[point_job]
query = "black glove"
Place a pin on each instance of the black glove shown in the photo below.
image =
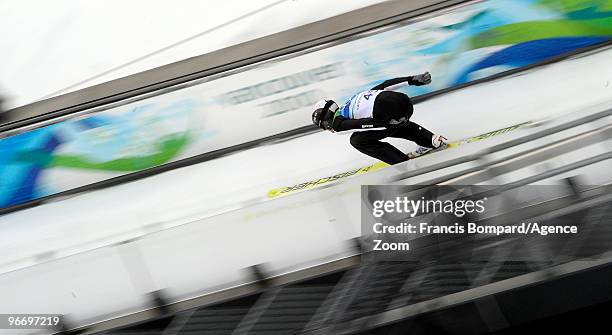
(421, 79)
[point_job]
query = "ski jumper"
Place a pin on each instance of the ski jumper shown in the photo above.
(379, 113)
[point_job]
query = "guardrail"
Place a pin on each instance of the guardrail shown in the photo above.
(499, 147)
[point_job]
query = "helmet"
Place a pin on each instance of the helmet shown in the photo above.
(324, 113)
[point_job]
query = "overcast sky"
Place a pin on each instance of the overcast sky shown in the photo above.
(50, 45)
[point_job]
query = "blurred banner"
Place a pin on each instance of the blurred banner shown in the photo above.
(465, 44)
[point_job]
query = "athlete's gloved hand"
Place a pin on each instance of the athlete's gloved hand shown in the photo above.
(421, 79)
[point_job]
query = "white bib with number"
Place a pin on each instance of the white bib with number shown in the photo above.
(360, 106)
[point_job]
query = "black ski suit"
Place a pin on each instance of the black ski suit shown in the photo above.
(390, 117)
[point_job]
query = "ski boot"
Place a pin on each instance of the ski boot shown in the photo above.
(438, 142)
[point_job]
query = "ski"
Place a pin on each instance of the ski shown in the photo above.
(282, 191)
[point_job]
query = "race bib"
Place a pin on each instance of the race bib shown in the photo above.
(360, 106)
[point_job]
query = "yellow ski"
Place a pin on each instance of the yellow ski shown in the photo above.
(282, 191)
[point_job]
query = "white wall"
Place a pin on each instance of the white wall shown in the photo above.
(52, 45)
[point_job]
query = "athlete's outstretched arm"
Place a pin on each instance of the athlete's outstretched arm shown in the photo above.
(395, 82)
(391, 84)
